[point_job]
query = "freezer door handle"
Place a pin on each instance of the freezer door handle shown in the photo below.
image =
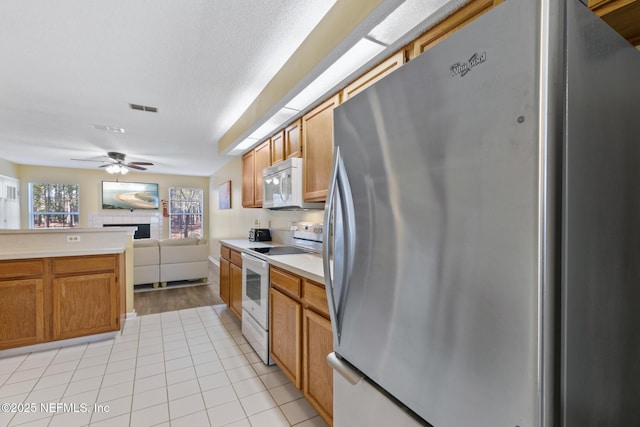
(341, 367)
(339, 243)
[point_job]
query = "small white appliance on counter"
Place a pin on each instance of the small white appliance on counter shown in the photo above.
(255, 284)
(282, 186)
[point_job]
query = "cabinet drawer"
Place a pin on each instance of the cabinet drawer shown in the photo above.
(315, 297)
(16, 269)
(84, 264)
(236, 258)
(225, 252)
(285, 282)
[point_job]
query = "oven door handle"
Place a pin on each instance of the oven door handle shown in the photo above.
(255, 261)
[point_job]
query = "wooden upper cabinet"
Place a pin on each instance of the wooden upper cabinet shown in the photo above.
(262, 154)
(248, 181)
(317, 149)
(293, 140)
(277, 147)
(252, 164)
(454, 22)
(622, 15)
(373, 75)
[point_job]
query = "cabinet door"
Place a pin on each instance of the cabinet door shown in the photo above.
(317, 149)
(262, 160)
(318, 375)
(277, 148)
(285, 334)
(376, 73)
(224, 280)
(85, 305)
(454, 22)
(621, 15)
(236, 290)
(248, 180)
(293, 139)
(21, 313)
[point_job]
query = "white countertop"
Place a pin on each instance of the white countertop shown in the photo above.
(306, 265)
(46, 243)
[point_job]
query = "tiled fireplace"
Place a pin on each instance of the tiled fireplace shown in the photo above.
(154, 219)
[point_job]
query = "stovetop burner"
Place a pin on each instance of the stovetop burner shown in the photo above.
(279, 250)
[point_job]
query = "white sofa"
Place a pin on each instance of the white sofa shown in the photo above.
(169, 260)
(146, 262)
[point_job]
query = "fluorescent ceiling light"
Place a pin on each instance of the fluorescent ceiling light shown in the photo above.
(347, 64)
(238, 149)
(407, 16)
(278, 119)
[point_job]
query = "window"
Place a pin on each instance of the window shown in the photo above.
(185, 212)
(53, 205)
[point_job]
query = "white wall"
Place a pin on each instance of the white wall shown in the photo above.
(234, 223)
(8, 169)
(90, 182)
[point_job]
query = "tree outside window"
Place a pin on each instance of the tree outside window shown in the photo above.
(53, 205)
(185, 212)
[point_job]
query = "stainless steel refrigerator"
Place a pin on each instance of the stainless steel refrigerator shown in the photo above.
(483, 226)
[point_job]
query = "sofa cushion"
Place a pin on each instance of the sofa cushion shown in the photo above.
(186, 241)
(145, 243)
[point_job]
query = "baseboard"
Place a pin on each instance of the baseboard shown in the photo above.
(132, 315)
(58, 344)
(215, 261)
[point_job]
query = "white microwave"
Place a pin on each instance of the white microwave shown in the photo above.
(282, 186)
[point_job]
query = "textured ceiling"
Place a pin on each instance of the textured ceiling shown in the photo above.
(68, 65)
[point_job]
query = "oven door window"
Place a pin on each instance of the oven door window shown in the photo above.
(254, 288)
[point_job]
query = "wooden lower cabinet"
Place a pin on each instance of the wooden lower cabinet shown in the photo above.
(21, 312)
(235, 292)
(318, 375)
(225, 280)
(300, 337)
(84, 305)
(285, 323)
(48, 299)
(231, 279)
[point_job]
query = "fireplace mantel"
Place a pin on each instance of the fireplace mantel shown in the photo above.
(99, 219)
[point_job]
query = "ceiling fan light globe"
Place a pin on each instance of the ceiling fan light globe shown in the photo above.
(124, 170)
(111, 169)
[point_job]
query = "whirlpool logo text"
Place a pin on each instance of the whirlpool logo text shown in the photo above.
(462, 68)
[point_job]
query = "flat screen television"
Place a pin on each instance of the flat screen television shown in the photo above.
(129, 195)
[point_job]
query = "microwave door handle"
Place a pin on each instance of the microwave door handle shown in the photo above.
(284, 197)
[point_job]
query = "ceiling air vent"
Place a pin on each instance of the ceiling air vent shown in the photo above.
(143, 108)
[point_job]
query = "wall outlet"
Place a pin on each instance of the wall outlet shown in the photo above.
(73, 239)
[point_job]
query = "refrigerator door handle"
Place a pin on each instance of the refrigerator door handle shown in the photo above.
(339, 228)
(348, 373)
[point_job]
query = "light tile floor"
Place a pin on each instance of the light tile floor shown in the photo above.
(181, 368)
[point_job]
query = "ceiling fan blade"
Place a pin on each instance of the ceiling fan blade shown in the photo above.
(132, 166)
(105, 165)
(89, 160)
(140, 163)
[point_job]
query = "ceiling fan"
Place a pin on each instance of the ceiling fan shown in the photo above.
(114, 162)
